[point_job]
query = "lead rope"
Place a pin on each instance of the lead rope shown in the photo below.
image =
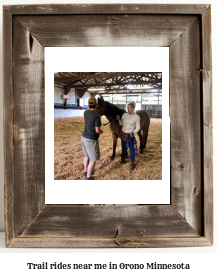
(108, 122)
(134, 143)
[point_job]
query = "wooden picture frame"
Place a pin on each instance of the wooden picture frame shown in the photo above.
(186, 30)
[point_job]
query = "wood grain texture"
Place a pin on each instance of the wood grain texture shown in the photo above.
(29, 131)
(207, 122)
(184, 28)
(185, 111)
(109, 222)
(69, 242)
(207, 66)
(208, 182)
(106, 9)
(107, 30)
(8, 125)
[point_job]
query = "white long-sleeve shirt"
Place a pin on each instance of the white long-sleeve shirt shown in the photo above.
(130, 123)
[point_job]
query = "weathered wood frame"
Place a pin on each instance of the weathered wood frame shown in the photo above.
(186, 29)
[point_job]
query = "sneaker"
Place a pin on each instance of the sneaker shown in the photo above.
(85, 175)
(90, 178)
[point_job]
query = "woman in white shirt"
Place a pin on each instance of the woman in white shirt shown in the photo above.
(130, 125)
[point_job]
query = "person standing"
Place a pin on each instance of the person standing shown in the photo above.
(89, 139)
(130, 125)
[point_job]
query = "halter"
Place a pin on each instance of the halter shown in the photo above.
(114, 117)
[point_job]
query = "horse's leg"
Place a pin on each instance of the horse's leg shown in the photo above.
(144, 138)
(140, 140)
(114, 137)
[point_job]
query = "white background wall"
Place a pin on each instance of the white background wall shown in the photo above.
(66, 113)
(207, 259)
(58, 95)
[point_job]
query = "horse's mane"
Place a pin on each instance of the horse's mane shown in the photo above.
(113, 110)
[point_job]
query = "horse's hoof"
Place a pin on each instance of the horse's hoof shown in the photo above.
(112, 157)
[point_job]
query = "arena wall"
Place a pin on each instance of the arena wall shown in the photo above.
(58, 96)
(67, 113)
(72, 105)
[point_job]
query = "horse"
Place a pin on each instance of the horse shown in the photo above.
(111, 111)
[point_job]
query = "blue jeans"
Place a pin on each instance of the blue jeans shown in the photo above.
(131, 147)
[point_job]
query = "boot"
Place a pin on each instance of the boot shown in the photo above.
(132, 166)
(123, 159)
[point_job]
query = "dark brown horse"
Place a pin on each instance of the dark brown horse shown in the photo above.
(111, 111)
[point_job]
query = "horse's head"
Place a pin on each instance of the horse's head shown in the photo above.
(101, 106)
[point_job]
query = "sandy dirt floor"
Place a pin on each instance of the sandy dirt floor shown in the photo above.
(68, 155)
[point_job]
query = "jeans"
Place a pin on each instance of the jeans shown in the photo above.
(131, 147)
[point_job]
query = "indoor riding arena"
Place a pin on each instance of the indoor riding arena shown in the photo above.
(71, 93)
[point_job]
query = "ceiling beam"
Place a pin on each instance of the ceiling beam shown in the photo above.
(117, 84)
(129, 93)
(59, 86)
(128, 90)
(103, 75)
(67, 89)
(80, 93)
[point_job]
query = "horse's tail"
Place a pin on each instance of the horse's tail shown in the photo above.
(146, 129)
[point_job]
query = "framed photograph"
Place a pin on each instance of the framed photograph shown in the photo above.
(139, 81)
(187, 218)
